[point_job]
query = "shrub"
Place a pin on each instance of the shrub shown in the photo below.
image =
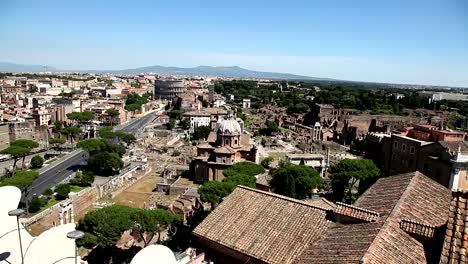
(62, 191)
(37, 162)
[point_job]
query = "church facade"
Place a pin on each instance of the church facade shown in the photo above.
(225, 146)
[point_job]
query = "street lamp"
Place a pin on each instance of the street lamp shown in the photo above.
(18, 213)
(75, 235)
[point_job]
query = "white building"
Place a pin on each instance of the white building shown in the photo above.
(218, 102)
(246, 103)
(316, 161)
(198, 118)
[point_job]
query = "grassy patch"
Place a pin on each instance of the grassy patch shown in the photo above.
(52, 201)
(75, 188)
(50, 161)
(277, 155)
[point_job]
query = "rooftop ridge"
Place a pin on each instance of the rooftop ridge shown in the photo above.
(394, 209)
(417, 227)
(358, 208)
(406, 220)
(283, 197)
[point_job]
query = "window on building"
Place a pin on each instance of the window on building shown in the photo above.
(411, 150)
(393, 156)
(224, 160)
(235, 141)
(403, 147)
(395, 145)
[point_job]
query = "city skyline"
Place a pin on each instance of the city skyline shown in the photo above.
(416, 43)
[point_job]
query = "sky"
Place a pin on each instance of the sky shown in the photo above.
(407, 41)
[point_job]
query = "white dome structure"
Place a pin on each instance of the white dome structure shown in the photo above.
(229, 126)
(157, 254)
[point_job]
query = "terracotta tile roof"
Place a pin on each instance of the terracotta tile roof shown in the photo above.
(323, 203)
(453, 147)
(417, 228)
(356, 212)
(456, 237)
(411, 196)
(211, 137)
(224, 150)
(205, 146)
(264, 226)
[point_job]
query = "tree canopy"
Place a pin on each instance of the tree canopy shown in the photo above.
(135, 101)
(20, 149)
(105, 226)
(184, 124)
(81, 116)
(242, 173)
(22, 179)
(201, 132)
(57, 141)
(105, 163)
(62, 191)
(245, 168)
(347, 173)
(295, 181)
(37, 162)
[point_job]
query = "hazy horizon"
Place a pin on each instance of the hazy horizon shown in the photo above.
(420, 42)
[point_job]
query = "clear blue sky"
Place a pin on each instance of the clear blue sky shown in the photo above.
(407, 41)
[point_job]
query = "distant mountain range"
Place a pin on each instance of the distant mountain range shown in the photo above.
(222, 71)
(13, 67)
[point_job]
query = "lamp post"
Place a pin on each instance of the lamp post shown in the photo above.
(75, 235)
(18, 213)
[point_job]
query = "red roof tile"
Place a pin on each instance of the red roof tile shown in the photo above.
(407, 196)
(262, 225)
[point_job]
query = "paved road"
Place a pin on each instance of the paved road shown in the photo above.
(57, 172)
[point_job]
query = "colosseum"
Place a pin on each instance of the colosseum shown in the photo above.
(169, 89)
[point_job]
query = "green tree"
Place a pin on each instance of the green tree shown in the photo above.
(185, 124)
(105, 163)
(20, 149)
(201, 132)
(56, 142)
(266, 162)
(62, 191)
(93, 145)
(105, 226)
(37, 162)
(132, 107)
(271, 127)
(33, 89)
(171, 124)
(48, 192)
(112, 113)
(295, 181)
(71, 132)
(58, 125)
(81, 117)
(135, 101)
(36, 204)
(346, 174)
(175, 114)
(205, 103)
(16, 153)
(241, 179)
(83, 179)
(245, 168)
(213, 191)
(22, 179)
